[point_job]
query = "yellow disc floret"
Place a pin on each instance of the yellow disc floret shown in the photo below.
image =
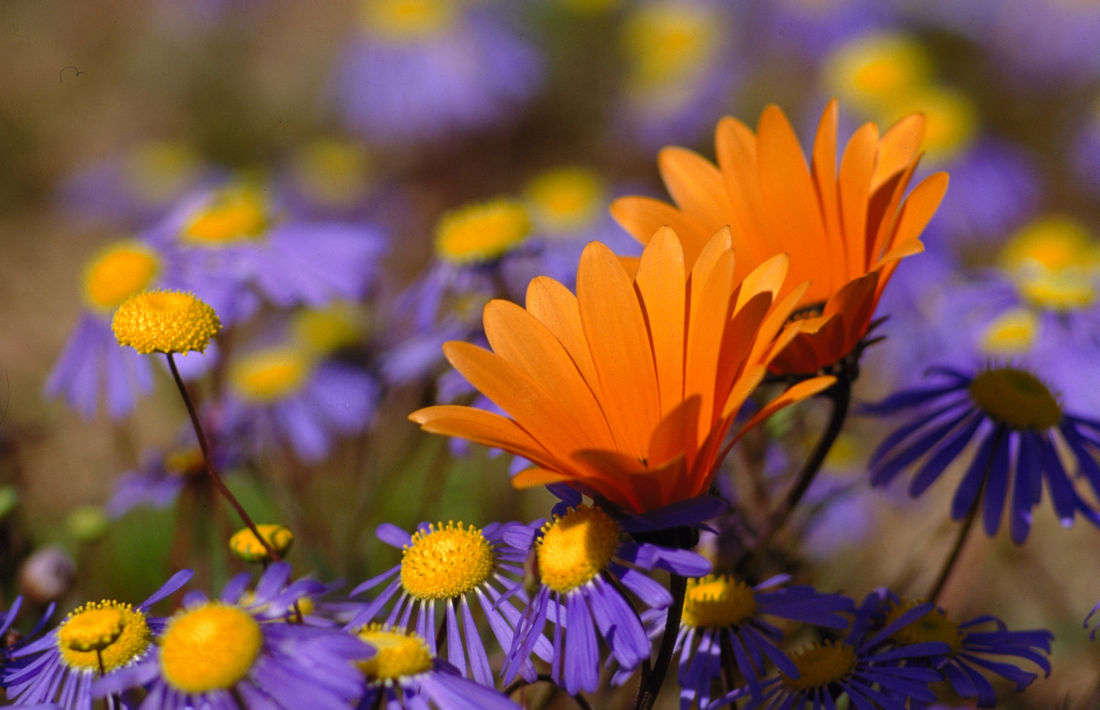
(235, 214)
(481, 232)
(118, 272)
(576, 547)
(1017, 398)
(209, 647)
(165, 322)
(717, 601)
(157, 171)
(407, 20)
(566, 199)
(446, 561)
(818, 666)
(246, 546)
(324, 330)
(933, 626)
(1010, 333)
(1053, 243)
(396, 654)
(106, 631)
(876, 69)
(271, 374)
(668, 44)
(331, 172)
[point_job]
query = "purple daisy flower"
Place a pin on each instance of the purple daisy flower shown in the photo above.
(585, 567)
(1020, 430)
(240, 648)
(721, 612)
(234, 249)
(973, 647)
(11, 641)
(97, 639)
(448, 565)
(416, 72)
(404, 673)
(282, 394)
(868, 666)
(162, 475)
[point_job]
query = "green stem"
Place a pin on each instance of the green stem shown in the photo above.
(214, 477)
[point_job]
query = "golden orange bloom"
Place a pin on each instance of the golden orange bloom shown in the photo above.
(629, 388)
(844, 233)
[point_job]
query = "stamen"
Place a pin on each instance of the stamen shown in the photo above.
(574, 548)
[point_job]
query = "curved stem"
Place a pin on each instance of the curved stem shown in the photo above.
(205, 448)
(654, 677)
(956, 550)
(545, 678)
(840, 394)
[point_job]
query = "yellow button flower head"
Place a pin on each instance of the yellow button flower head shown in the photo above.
(165, 322)
(481, 232)
(247, 547)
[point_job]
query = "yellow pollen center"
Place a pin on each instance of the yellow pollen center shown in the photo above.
(1053, 243)
(166, 322)
(1017, 398)
(446, 561)
(271, 374)
(1067, 290)
(396, 654)
(566, 199)
(235, 214)
(322, 331)
(157, 171)
(933, 626)
(1012, 332)
(819, 666)
(718, 601)
(481, 232)
(247, 547)
(951, 119)
(118, 272)
(575, 548)
(108, 630)
(408, 20)
(875, 69)
(185, 462)
(331, 172)
(668, 43)
(210, 647)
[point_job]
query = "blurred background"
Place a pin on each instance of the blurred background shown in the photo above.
(390, 126)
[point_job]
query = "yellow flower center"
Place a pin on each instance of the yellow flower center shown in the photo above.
(247, 547)
(235, 214)
(566, 199)
(210, 647)
(108, 630)
(875, 69)
(271, 374)
(185, 462)
(668, 43)
(951, 119)
(819, 666)
(1055, 262)
(325, 330)
(446, 561)
(574, 548)
(1017, 398)
(166, 322)
(933, 626)
(718, 601)
(158, 171)
(118, 272)
(1012, 332)
(481, 232)
(408, 20)
(397, 654)
(331, 172)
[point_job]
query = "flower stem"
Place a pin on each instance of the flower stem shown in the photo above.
(956, 550)
(840, 395)
(654, 677)
(544, 678)
(214, 477)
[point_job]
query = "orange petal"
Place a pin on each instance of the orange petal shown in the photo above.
(695, 185)
(521, 339)
(795, 393)
(643, 216)
(824, 174)
(661, 282)
(754, 237)
(711, 288)
(557, 308)
(677, 433)
(531, 477)
(483, 428)
(919, 207)
(898, 147)
(856, 167)
(617, 336)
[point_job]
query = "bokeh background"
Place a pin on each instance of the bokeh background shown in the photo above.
(385, 116)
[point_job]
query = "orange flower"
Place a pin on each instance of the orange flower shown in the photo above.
(628, 389)
(843, 233)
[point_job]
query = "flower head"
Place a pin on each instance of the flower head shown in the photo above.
(245, 545)
(446, 567)
(213, 652)
(1020, 428)
(118, 272)
(481, 232)
(844, 232)
(95, 639)
(165, 322)
(628, 389)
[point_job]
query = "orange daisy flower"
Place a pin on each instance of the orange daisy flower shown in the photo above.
(844, 232)
(628, 389)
